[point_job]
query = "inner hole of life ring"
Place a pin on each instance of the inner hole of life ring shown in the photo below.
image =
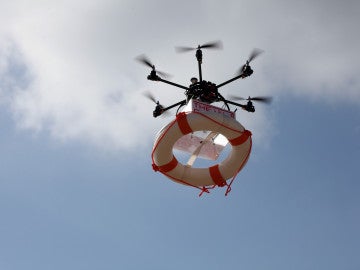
(201, 149)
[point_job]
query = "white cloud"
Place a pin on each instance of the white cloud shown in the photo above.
(81, 82)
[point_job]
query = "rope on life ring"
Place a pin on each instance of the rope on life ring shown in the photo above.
(204, 179)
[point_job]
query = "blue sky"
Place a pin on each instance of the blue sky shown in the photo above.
(295, 205)
(77, 190)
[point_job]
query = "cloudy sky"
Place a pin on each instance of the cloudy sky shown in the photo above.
(76, 186)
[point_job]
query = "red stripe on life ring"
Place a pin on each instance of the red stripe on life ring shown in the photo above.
(183, 123)
(216, 176)
(167, 167)
(241, 139)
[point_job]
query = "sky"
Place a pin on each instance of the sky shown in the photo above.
(77, 190)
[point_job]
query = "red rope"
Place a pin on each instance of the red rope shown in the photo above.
(206, 189)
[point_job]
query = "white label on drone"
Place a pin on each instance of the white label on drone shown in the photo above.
(204, 107)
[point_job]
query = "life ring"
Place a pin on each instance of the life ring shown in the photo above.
(165, 162)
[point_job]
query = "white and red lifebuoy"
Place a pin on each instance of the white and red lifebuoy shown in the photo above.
(165, 162)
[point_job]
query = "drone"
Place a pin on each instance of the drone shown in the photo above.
(202, 90)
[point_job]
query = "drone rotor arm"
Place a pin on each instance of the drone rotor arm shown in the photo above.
(241, 76)
(173, 84)
(236, 104)
(165, 109)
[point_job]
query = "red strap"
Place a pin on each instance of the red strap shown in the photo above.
(241, 139)
(216, 176)
(166, 167)
(204, 189)
(183, 123)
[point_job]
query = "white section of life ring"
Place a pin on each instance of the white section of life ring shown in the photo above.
(165, 161)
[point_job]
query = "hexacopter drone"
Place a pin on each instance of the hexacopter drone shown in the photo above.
(202, 90)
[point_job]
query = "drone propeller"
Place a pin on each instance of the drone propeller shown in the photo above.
(210, 45)
(254, 53)
(150, 96)
(144, 60)
(260, 99)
